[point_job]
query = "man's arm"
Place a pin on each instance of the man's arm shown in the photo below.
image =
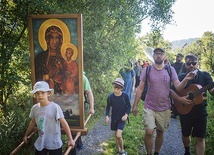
(91, 101)
(180, 85)
(88, 91)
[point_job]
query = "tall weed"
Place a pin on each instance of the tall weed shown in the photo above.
(210, 126)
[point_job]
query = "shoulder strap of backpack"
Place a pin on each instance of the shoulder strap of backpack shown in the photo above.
(125, 105)
(148, 68)
(168, 68)
(109, 98)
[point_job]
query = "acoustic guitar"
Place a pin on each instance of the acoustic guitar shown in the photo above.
(194, 93)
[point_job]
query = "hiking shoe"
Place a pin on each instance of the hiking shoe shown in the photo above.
(123, 153)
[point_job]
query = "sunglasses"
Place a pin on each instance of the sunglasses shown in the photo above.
(189, 63)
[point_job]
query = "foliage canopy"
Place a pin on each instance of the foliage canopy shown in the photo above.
(109, 35)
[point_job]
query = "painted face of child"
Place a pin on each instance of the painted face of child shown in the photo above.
(69, 53)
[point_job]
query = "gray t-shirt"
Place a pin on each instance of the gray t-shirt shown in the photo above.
(48, 124)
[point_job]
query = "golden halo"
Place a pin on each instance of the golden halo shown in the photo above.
(52, 22)
(67, 45)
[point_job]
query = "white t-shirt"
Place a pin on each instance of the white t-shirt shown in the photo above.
(48, 124)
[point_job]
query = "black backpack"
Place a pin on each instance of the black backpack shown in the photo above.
(148, 68)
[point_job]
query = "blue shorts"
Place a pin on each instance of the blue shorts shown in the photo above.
(115, 125)
(194, 126)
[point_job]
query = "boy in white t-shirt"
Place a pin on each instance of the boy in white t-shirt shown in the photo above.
(47, 117)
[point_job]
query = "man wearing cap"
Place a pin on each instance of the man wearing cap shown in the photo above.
(179, 65)
(157, 104)
(179, 68)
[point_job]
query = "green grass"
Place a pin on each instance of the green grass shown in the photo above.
(132, 135)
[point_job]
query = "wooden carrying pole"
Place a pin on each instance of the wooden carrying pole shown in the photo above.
(77, 136)
(15, 151)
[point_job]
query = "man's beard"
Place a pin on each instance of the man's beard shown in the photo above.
(159, 62)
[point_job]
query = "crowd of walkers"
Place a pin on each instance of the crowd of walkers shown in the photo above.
(168, 96)
(166, 83)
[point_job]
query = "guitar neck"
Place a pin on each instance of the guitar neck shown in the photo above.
(203, 89)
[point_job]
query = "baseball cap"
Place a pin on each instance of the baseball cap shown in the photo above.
(119, 81)
(158, 49)
(180, 55)
(41, 86)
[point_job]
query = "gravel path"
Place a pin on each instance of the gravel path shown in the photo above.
(173, 139)
(94, 141)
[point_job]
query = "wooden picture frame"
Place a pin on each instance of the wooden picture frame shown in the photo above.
(56, 52)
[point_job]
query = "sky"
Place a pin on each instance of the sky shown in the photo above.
(192, 18)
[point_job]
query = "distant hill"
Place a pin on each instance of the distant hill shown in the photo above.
(182, 43)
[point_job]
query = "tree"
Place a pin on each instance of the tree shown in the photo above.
(155, 39)
(109, 32)
(206, 46)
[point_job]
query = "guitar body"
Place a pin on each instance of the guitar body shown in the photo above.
(198, 99)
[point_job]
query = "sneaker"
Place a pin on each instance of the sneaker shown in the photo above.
(123, 153)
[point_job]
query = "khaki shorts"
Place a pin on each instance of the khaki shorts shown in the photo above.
(154, 119)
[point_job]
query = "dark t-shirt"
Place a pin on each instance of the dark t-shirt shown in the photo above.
(178, 67)
(119, 104)
(203, 79)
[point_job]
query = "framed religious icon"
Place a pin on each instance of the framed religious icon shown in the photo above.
(56, 49)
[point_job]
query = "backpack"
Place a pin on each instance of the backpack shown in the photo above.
(123, 102)
(148, 68)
